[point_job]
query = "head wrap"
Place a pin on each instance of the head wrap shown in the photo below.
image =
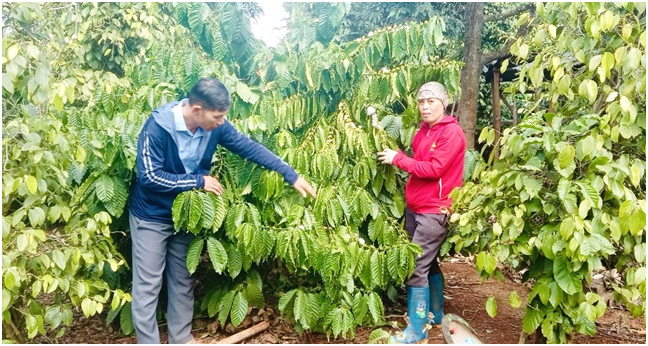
(434, 90)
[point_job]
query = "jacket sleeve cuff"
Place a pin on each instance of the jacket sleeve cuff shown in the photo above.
(398, 158)
(291, 176)
(200, 182)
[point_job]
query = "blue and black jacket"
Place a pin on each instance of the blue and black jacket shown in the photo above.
(161, 176)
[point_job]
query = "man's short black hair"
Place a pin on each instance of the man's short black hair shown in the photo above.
(210, 94)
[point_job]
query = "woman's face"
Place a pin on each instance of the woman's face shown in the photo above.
(431, 110)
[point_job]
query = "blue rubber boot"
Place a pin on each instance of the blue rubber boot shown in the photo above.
(417, 311)
(436, 298)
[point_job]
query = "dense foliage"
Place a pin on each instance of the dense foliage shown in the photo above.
(565, 199)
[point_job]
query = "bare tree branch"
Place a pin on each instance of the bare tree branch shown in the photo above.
(511, 13)
(511, 107)
(504, 51)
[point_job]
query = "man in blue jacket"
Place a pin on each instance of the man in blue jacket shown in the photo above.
(174, 154)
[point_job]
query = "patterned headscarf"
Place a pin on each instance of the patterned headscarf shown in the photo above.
(434, 90)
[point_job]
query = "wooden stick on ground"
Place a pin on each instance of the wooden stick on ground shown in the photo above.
(240, 336)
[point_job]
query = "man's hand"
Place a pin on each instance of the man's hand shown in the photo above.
(212, 185)
(303, 187)
(387, 156)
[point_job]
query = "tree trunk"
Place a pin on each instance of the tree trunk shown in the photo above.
(512, 107)
(497, 112)
(471, 71)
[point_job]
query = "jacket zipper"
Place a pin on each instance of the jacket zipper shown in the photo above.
(440, 188)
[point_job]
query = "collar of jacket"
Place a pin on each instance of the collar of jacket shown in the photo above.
(445, 120)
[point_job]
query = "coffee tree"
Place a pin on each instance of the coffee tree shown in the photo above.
(348, 241)
(566, 196)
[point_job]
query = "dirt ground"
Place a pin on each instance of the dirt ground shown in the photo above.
(465, 296)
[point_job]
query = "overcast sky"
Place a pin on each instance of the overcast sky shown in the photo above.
(268, 26)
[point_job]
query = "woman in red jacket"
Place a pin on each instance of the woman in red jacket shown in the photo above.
(436, 169)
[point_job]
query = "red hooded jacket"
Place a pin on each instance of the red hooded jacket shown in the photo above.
(437, 166)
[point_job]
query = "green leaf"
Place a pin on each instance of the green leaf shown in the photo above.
(564, 187)
(376, 268)
(217, 254)
(631, 218)
(567, 228)
(254, 296)
(615, 230)
(524, 51)
(32, 184)
(253, 278)
(195, 213)
(487, 262)
(298, 306)
(556, 294)
(6, 299)
(532, 186)
(244, 92)
(585, 326)
(378, 335)
(193, 254)
(112, 314)
(235, 261)
(514, 300)
(588, 310)
(32, 326)
(568, 280)
(640, 275)
(219, 211)
(286, 301)
(214, 303)
(105, 188)
(6, 226)
(21, 242)
(375, 229)
(195, 18)
(235, 216)
(393, 125)
(392, 293)
(491, 307)
(595, 61)
(636, 172)
(59, 259)
(7, 83)
(36, 216)
(239, 309)
(590, 194)
(177, 210)
(115, 205)
(310, 311)
(625, 103)
(88, 307)
(208, 210)
(566, 156)
(360, 307)
(608, 62)
(640, 252)
(126, 319)
(226, 306)
(532, 320)
(585, 147)
(638, 222)
(376, 307)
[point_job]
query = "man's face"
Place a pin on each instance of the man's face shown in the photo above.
(209, 119)
(431, 110)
